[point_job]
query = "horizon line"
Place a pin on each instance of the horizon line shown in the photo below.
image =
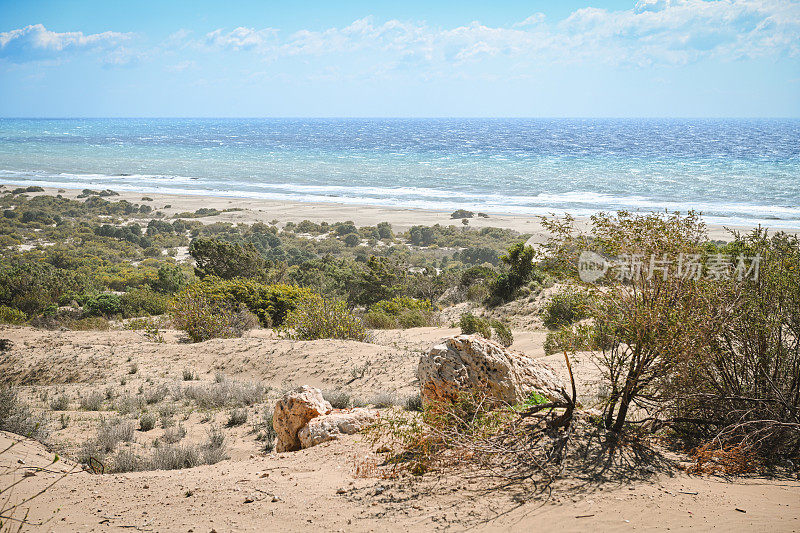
(409, 117)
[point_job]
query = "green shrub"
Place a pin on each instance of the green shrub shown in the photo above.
(203, 318)
(471, 324)
(502, 333)
(171, 279)
(400, 311)
(378, 320)
(9, 315)
(519, 269)
(106, 304)
(226, 260)
(89, 323)
(352, 239)
(564, 308)
(270, 303)
(143, 301)
(147, 421)
(316, 318)
(462, 213)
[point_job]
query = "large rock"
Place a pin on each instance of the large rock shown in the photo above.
(292, 413)
(332, 426)
(470, 362)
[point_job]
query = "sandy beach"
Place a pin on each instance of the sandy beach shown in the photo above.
(250, 210)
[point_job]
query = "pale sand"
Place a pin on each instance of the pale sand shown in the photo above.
(260, 210)
(318, 487)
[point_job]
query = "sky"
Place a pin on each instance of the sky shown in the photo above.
(559, 58)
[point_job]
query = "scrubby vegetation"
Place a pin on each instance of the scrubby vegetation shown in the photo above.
(316, 318)
(707, 357)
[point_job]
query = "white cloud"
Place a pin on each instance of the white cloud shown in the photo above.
(533, 20)
(241, 38)
(652, 32)
(36, 42)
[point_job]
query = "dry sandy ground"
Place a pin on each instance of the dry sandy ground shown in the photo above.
(260, 210)
(318, 487)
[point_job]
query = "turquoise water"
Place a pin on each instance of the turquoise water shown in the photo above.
(734, 171)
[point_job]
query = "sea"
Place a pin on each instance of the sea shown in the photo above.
(733, 171)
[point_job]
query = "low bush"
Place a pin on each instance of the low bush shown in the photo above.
(147, 421)
(565, 308)
(112, 432)
(316, 318)
(60, 403)
(270, 303)
(384, 400)
(105, 304)
(173, 435)
(400, 312)
(502, 333)
(143, 302)
(413, 403)
(9, 315)
(203, 318)
(266, 433)
(471, 324)
(89, 323)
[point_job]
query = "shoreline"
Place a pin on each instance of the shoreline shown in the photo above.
(251, 210)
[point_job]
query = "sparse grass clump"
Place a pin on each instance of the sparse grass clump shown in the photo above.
(60, 403)
(92, 401)
(17, 417)
(384, 400)
(112, 432)
(413, 403)
(236, 417)
(226, 393)
(338, 398)
(266, 431)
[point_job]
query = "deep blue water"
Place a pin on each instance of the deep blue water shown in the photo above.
(734, 171)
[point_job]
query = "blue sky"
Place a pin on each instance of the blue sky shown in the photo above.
(679, 58)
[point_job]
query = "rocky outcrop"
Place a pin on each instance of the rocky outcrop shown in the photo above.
(293, 412)
(471, 362)
(332, 426)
